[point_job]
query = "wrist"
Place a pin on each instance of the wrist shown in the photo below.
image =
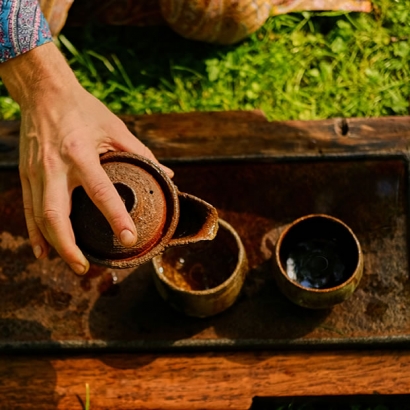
(32, 77)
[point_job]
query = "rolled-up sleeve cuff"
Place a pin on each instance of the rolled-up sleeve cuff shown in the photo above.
(22, 28)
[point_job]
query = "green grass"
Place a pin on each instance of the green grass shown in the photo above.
(299, 66)
(87, 396)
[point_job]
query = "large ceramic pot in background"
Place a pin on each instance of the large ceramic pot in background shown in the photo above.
(215, 21)
(212, 21)
(163, 216)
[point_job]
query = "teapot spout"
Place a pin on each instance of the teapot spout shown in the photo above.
(198, 221)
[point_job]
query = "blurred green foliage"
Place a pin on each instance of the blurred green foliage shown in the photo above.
(309, 65)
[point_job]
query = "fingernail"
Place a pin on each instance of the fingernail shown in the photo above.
(79, 268)
(37, 251)
(127, 238)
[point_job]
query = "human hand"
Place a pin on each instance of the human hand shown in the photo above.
(64, 130)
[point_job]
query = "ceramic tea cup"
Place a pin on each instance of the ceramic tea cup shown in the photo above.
(204, 278)
(318, 261)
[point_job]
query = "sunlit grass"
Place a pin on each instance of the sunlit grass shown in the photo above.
(87, 396)
(298, 66)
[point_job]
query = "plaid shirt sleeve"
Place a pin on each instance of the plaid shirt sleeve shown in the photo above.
(22, 27)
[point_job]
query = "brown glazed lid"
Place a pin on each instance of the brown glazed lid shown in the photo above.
(150, 198)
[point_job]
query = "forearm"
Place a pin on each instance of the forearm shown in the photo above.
(64, 130)
(24, 65)
(34, 76)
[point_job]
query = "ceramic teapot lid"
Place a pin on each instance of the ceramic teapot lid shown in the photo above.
(151, 200)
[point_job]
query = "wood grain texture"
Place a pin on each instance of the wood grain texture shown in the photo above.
(230, 134)
(235, 134)
(214, 380)
(195, 381)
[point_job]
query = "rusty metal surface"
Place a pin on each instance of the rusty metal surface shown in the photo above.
(43, 304)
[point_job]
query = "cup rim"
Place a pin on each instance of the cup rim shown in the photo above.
(241, 256)
(314, 290)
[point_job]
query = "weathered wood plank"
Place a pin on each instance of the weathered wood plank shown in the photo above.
(195, 381)
(248, 133)
(230, 134)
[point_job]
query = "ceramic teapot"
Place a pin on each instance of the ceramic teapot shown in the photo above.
(163, 216)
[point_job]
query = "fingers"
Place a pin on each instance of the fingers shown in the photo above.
(102, 192)
(52, 218)
(129, 143)
(135, 145)
(50, 223)
(47, 199)
(47, 204)
(37, 240)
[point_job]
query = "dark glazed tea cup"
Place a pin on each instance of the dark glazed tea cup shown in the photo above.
(204, 278)
(318, 261)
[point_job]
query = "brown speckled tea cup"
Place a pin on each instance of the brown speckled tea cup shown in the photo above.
(318, 261)
(204, 278)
